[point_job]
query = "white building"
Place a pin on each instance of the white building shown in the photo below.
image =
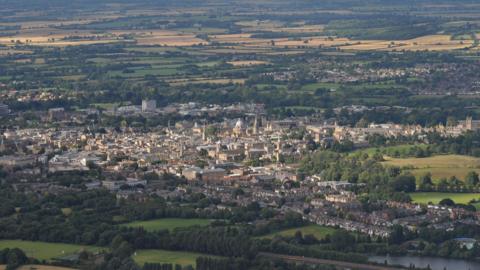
(149, 105)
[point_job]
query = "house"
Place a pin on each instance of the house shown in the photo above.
(213, 175)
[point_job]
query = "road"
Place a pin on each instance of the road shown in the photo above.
(348, 265)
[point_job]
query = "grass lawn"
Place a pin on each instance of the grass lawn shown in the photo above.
(436, 197)
(315, 86)
(44, 250)
(439, 166)
(168, 223)
(318, 231)
(400, 148)
(164, 256)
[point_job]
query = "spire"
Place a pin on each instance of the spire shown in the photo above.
(204, 132)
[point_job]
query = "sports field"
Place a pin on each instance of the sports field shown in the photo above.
(318, 231)
(44, 250)
(168, 223)
(165, 256)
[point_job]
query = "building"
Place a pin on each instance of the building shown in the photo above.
(467, 243)
(56, 114)
(4, 109)
(149, 105)
(192, 173)
(470, 124)
(18, 161)
(213, 175)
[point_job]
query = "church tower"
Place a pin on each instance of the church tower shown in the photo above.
(469, 123)
(255, 125)
(204, 132)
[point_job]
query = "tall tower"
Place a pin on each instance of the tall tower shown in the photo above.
(204, 132)
(278, 150)
(255, 125)
(469, 123)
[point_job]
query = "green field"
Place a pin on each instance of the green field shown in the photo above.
(44, 250)
(164, 256)
(436, 197)
(405, 148)
(318, 231)
(168, 223)
(37, 267)
(315, 86)
(444, 166)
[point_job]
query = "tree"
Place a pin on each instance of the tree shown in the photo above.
(124, 250)
(397, 236)
(340, 240)
(15, 257)
(426, 182)
(472, 178)
(405, 183)
(447, 202)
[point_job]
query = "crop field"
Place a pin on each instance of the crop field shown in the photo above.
(425, 43)
(168, 223)
(210, 81)
(164, 256)
(44, 250)
(247, 63)
(318, 231)
(443, 166)
(436, 197)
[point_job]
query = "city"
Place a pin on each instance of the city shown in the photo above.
(239, 135)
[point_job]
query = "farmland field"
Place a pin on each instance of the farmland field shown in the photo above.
(164, 256)
(436, 197)
(168, 223)
(318, 231)
(44, 250)
(443, 166)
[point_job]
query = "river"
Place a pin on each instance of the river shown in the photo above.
(435, 263)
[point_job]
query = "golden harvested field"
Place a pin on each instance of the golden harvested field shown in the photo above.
(430, 43)
(312, 42)
(247, 40)
(54, 37)
(247, 63)
(8, 51)
(439, 166)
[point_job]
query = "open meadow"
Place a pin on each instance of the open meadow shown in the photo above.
(442, 166)
(436, 197)
(38, 267)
